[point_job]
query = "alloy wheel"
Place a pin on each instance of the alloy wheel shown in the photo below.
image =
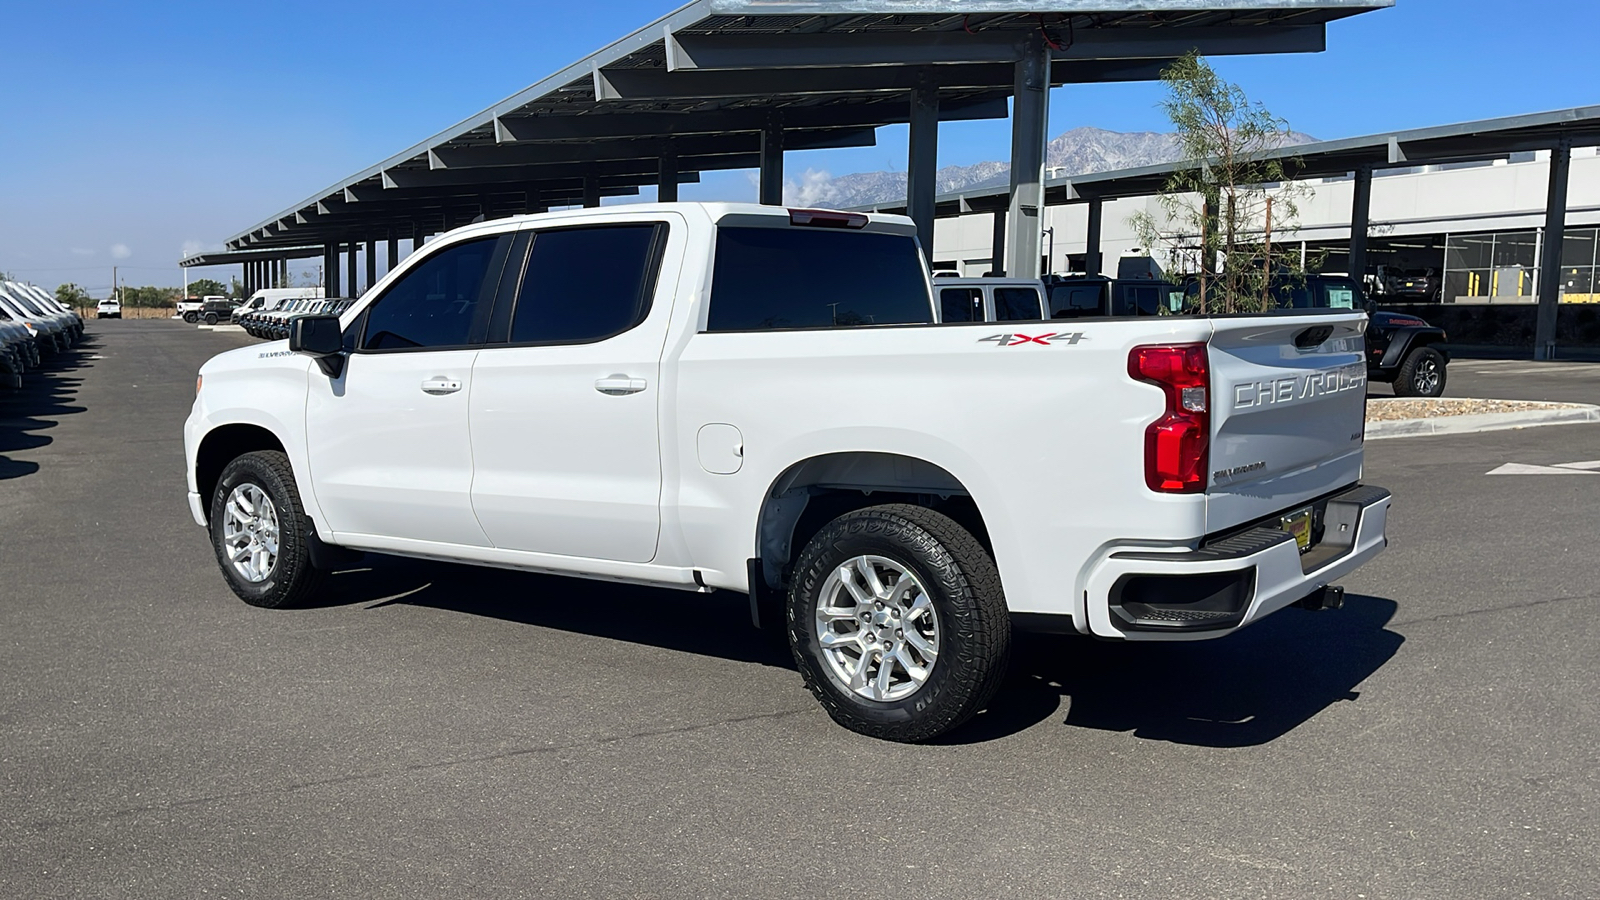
(250, 532)
(877, 629)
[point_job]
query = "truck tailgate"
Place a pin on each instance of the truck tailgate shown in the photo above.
(1288, 413)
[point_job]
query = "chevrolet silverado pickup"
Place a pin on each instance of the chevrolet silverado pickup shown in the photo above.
(757, 399)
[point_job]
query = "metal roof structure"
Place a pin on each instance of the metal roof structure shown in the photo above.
(1463, 142)
(723, 84)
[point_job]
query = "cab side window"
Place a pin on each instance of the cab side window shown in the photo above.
(1076, 301)
(442, 302)
(961, 304)
(1016, 304)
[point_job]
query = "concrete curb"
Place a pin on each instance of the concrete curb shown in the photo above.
(1400, 428)
(220, 327)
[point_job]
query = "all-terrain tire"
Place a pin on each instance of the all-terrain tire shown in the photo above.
(959, 578)
(211, 318)
(292, 578)
(1421, 374)
(191, 317)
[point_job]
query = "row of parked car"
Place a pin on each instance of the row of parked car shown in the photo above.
(1401, 349)
(33, 327)
(271, 320)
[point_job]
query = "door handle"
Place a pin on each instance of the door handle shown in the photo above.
(441, 386)
(617, 385)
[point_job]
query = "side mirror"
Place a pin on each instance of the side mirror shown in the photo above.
(320, 338)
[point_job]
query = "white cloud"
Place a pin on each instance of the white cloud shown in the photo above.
(815, 188)
(120, 251)
(82, 251)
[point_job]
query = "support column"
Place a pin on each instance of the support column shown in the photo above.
(922, 164)
(1092, 264)
(419, 233)
(1555, 235)
(372, 262)
(1360, 221)
(997, 246)
(591, 191)
(667, 185)
(350, 267)
(1029, 120)
(771, 193)
(393, 255)
(330, 271)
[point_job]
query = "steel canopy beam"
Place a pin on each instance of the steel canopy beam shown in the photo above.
(659, 84)
(670, 124)
(644, 149)
(732, 51)
(474, 180)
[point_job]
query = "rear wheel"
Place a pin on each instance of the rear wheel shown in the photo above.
(898, 622)
(211, 318)
(1421, 374)
(191, 317)
(260, 532)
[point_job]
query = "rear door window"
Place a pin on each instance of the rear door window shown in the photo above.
(785, 277)
(1338, 294)
(961, 305)
(1012, 304)
(587, 284)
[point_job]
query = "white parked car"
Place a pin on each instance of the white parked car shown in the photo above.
(736, 397)
(108, 309)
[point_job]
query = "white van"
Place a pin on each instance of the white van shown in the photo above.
(266, 298)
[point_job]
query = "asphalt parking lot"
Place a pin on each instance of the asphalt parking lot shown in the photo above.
(437, 731)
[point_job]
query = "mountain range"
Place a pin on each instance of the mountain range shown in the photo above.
(1076, 152)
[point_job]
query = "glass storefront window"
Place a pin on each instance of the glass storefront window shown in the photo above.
(1469, 251)
(1516, 248)
(1578, 248)
(1577, 280)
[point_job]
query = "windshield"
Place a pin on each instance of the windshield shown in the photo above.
(23, 302)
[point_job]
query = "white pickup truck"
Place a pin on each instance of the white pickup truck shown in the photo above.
(755, 399)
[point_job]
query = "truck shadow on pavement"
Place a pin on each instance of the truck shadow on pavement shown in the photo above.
(673, 620)
(27, 415)
(1243, 690)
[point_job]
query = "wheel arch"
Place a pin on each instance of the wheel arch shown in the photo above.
(812, 492)
(223, 445)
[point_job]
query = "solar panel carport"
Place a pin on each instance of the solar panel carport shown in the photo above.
(1557, 131)
(729, 84)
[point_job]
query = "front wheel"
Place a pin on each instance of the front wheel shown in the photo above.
(1421, 374)
(260, 532)
(898, 623)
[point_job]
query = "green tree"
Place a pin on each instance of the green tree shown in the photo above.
(150, 296)
(70, 295)
(1222, 212)
(205, 287)
(236, 289)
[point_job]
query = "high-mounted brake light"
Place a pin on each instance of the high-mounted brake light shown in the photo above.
(826, 218)
(1177, 445)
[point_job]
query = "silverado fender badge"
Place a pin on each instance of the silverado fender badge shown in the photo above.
(1012, 340)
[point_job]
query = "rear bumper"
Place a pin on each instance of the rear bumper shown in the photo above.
(1182, 594)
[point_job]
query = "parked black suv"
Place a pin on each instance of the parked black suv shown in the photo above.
(1402, 349)
(214, 311)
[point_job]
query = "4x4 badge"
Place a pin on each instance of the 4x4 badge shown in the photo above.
(1013, 340)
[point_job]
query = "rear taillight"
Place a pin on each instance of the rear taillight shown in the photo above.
(1176, 445)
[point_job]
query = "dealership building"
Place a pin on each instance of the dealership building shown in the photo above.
(1479, 225)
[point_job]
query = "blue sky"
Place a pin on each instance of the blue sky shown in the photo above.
(134, 131)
